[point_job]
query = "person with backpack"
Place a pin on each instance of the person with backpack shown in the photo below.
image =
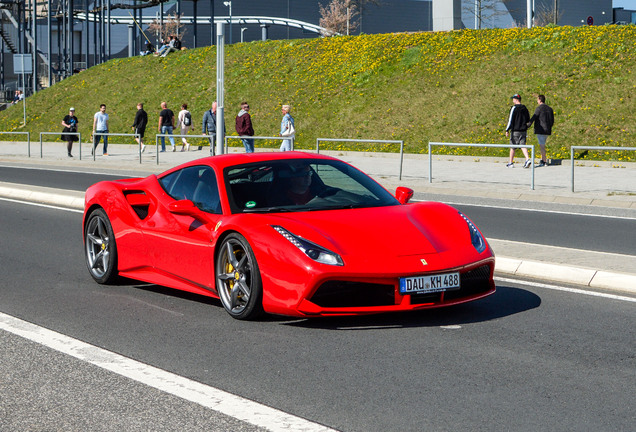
(184, 120)
(209, 127)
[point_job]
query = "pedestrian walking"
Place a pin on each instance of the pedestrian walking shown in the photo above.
(70, 125)
(244, 127)
(517, 129)
(100, 126)
(139, 125)
(287, 128)
(166, 125)
(208, 127)
(543, 119)
(184, 122)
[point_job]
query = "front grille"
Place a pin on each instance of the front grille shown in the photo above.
(473, 282)
(334, 294)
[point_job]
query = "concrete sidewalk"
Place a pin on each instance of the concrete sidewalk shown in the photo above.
(604, 188)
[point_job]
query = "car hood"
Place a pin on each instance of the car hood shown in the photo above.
(401, 230)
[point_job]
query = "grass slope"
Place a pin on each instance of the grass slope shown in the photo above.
(420, 87)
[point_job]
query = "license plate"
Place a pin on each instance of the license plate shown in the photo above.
(429, 283)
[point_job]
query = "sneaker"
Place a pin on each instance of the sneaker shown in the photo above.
(510, 165)
(105, 154)
(174, 148)
(541, 164)
(70, 155)
(143, 148)
(527, 164)
(162, 151)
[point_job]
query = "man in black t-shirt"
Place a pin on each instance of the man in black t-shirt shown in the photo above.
(166, 124)
(517, 129)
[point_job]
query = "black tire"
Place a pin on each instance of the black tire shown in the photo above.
(100, 249)
(238, 279)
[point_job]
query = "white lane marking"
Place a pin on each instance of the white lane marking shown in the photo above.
(42, 205)
(534, 210)
(566, 289)
(66, 171)
(218, 400)
(513, 242)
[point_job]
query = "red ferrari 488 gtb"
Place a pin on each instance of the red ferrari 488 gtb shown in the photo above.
(285, 233)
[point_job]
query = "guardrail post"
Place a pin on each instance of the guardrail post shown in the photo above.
(532, 167)
(430, 164)
(572, 168)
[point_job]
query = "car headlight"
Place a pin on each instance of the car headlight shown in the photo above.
(475, 236)
(312, 250)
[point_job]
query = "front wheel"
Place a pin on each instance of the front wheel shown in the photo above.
(238, 280)
(100, 248)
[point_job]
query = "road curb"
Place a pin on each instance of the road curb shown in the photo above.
(567, 274)
(43, 195)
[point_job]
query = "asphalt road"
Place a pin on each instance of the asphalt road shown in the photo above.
(526, 358)
(546, 227)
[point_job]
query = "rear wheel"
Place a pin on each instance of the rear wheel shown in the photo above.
(100, 248)
(238, 279)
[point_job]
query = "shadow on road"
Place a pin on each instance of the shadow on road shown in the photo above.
(504, 302)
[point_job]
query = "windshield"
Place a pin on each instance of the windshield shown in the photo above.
(301, 185)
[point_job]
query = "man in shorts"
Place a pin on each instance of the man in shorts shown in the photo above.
(543, 120)
(517, 130)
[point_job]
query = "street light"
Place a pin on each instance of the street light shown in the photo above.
(242, 31)
(229, 4)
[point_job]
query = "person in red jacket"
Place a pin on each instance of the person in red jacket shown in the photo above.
(244, 127)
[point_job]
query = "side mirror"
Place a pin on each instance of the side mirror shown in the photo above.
(184, 208)
(188, 208)
(403, 194)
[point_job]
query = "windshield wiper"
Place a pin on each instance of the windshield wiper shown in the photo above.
(269, 210)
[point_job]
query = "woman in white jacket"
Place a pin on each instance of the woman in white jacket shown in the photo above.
(184, 121)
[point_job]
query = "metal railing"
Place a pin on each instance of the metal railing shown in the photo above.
(173, 136)
(430, 155)
(28, 134)
(400, 142)
(573, 148)
(77, 134)
(107, 134)
(280, 138)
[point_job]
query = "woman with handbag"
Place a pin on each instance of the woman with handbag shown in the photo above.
(287, 128)
(70, 125)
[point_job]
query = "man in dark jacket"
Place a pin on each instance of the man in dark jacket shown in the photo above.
(517, 129)
(543, 120)
(209, 127)
(139, 125)
(244, 127)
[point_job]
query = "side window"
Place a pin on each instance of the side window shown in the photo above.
(181, 184)
(206, 193)
(197, 184)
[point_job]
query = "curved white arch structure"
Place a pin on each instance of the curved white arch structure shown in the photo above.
(262, 20)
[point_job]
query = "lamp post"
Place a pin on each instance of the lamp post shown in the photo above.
(242, 31)
(229, 5)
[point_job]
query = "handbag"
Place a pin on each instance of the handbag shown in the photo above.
(290, 131)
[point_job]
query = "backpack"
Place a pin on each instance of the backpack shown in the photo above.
(177, 44)
(187, 119)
